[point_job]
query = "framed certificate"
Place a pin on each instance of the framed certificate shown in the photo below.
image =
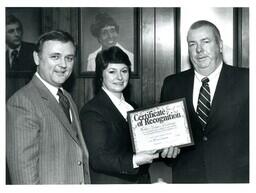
(160, 126)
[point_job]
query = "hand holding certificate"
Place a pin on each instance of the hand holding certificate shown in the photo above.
(160, 126)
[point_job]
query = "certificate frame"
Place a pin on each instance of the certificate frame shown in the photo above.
(160, 126)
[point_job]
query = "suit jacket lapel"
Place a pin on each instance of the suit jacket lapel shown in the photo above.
(222, 91)
(77, 125)
(53, 105)
(116, 113)
(8, 67)
(189, 90)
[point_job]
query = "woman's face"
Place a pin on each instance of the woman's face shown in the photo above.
(115, 78)
(108, 37)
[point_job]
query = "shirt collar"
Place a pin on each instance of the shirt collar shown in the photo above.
(50, 87)
(212, 76)
(122, 106)
(10, 49)
(113, 98)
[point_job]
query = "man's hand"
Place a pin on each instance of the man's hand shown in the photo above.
(170, 152)
(145, 157)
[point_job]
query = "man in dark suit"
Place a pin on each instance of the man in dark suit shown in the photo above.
(44, 142)
(219, 113)
(19, 54)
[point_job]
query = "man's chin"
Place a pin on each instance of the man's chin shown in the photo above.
(60, 80)
(15, 45)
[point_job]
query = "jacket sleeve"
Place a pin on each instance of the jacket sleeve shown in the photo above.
(22, 141)
(164, 91)
(104, 156)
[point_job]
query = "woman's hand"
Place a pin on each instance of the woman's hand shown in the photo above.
(170, 152)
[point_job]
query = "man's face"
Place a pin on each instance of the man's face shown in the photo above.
(55, 61)
(204, 50)
(13, 35)
(108, 37)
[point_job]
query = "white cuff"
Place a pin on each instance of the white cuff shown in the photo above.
(133, 162)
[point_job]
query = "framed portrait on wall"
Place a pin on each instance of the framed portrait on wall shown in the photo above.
(225, 20)
(101, 28)
(23, 27)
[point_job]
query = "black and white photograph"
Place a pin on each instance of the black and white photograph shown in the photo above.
(23, 27)
(144, 96)
(101, 28)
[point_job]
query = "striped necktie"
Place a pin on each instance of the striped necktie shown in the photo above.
(63, 100)
(204, 104)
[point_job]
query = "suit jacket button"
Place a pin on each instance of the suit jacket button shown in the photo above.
(79, 163)
(205, 138)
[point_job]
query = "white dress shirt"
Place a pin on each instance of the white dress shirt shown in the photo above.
(122, 106)
(53, 90)
(213, 80)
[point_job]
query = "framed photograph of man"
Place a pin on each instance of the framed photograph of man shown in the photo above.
(23, 27)
(101, 28)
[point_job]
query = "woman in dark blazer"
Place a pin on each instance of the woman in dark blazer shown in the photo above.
(105, 128)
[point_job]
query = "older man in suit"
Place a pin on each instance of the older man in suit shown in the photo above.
(44, 140)
(217, 97)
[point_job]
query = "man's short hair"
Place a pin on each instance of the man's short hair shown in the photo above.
(11, 19)
(102, 20)
(204, 23)
(55, 35)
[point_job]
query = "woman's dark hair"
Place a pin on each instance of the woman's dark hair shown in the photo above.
(111, 55)
(102, 20)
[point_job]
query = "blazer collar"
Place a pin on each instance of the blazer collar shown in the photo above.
(107, 101)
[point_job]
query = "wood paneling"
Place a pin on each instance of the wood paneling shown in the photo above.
(164, 51)
(244, 38)
(158, 56)
(148, 56)
(241, 37)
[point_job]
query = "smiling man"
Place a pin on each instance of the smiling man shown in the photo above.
(217, 97)
(106, 30)
(44, 139)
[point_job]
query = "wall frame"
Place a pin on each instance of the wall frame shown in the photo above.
(126, 37)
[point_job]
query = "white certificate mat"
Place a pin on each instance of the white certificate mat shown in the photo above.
(160, 126)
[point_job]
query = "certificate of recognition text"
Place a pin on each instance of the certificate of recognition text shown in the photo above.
(160, 126)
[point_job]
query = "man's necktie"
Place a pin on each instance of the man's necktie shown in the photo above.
(204, 105)
(14, 56)
(63, 100)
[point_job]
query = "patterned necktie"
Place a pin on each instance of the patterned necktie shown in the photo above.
(63, 100)
(204, 105)
(14, 56)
